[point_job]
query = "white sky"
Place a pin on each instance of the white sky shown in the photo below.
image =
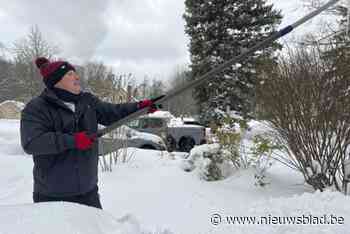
(142, 37)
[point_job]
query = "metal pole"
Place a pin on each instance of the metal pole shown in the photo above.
(199, 81)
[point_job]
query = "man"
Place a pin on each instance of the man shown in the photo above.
(59, 129)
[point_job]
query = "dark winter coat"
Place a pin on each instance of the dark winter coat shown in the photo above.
(47, 127)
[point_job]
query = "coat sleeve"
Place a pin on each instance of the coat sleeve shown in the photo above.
(108, 113)
(37, 135)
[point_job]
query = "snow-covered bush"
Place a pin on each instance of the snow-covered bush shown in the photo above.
(209, 169)
(230, 144)
(305, 98)
(240, 146)
(235, 143)
(245, 149)
(209, 162)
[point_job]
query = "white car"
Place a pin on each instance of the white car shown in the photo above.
(127, 137)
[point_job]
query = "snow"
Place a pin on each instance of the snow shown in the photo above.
(201, 149)
(148, 136)
(172, 120)
(175, 122)
(125, 132)
(180, 124)
(188, 119)
(9, 137)
(161, 114)
(63, 217)
(315, 205)
(198, 160)
(153, 194)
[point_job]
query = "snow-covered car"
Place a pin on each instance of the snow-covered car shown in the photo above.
(176, 134)
(127, 137)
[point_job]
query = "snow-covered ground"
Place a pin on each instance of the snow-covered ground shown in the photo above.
(152, 194)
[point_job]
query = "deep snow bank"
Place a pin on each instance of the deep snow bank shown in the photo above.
(63, 217)
(10, 143)
(310, 213)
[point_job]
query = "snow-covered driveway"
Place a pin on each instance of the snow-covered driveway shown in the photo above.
(151, 192)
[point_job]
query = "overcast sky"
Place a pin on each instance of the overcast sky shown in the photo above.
(137, 36)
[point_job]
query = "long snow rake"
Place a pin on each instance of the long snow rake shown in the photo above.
(200, 80)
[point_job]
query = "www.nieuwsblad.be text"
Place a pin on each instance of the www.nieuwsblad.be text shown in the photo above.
(217, 219)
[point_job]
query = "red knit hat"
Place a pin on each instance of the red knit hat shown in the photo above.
(52, 72)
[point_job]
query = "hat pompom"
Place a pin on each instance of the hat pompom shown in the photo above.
(41, 61)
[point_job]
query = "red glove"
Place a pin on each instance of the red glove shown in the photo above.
(83, 141)
(148, 103)
(145, 103)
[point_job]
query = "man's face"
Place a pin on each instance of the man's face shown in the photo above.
(70, 82)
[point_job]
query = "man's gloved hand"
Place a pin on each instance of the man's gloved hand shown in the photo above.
(145, 103)
(84, 141)
(148, 103)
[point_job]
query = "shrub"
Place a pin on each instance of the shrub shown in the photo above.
(305, 98)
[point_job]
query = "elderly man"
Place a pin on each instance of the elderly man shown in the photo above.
(59, 129)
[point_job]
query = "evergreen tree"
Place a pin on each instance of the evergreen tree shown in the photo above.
(338, 45)
(220, 30)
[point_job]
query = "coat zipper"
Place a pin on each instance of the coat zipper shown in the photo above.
(76, 122)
